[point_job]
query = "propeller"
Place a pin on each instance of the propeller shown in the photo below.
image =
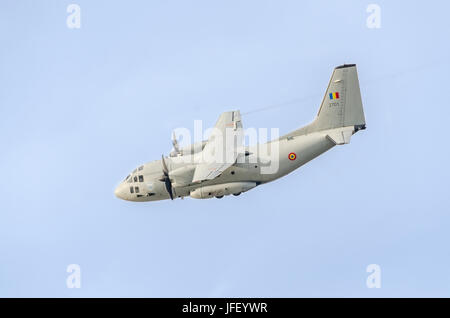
(166, 178)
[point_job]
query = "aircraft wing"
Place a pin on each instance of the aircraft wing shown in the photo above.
(223, 147)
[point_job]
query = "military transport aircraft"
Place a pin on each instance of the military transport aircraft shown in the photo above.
(197, 171)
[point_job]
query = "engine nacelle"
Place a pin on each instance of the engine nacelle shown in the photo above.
(219, 190)
(189, 149)
(182, 176)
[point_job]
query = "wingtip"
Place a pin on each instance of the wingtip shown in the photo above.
(345, 66)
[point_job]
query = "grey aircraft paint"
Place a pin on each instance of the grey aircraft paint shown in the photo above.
(340, 116)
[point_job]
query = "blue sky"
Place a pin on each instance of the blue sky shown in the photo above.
(80, 108)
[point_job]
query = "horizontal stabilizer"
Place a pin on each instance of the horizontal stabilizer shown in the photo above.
(341, 136)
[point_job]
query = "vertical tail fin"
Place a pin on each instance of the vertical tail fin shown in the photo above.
(341, 105)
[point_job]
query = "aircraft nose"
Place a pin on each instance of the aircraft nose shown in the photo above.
(118, 192)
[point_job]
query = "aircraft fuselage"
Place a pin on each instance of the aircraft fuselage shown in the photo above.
(149, 187)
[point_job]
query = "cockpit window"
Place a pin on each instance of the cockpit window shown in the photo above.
(135, 178)
(136, 189)
(127, 178)
(141, 178)
(140, 168)
(131, 190)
